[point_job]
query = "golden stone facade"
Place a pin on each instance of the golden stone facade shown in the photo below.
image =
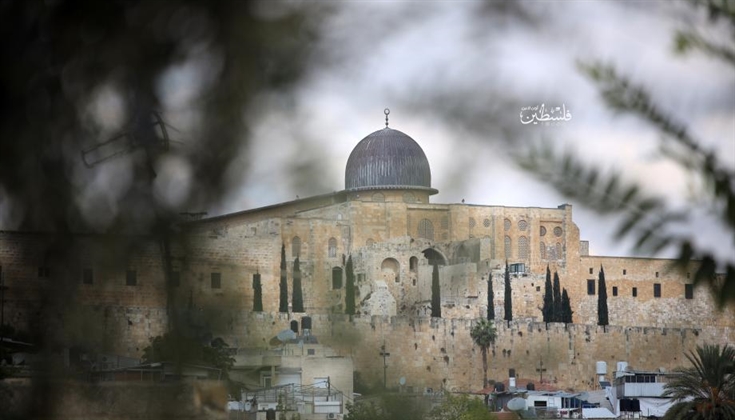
(394, 235)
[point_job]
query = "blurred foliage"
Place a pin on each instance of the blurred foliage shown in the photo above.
(460, 407)
(645, 217)
(181, 350)
(78, 74)
(388, 407)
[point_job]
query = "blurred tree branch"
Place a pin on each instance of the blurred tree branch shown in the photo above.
(646, 218)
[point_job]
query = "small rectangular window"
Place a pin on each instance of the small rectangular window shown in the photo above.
(615, 290)
(175, 279)
(591, 270)
(590, 287)
(131, 278)
(657, 290)
(625, 271)
(216, 281)
(689, 291)
(88, 276)
(689, 275)
(635, 292)
(310, 352)
(657, 274)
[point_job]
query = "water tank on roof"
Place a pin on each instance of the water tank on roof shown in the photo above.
(601, 368)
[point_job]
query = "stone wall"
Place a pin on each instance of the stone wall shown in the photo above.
(439, 353)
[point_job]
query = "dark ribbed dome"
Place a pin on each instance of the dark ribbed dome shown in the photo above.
(388, 159)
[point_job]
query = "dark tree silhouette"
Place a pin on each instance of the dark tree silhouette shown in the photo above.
(257, 293)
(556, 316)
(566, 308)
(436, 300)
(298, 294)
(350, 288)
(490, 298)
(283, 298)
(602, 299)
(548, 308)
(508, 295)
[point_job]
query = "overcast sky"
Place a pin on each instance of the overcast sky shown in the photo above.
(430, 63)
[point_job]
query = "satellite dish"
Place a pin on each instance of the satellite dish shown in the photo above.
(516, 404)
(402, 381)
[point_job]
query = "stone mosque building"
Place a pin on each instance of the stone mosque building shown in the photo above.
(385, 220)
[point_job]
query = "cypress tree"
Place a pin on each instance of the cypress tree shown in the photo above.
(436, 308)
(283, 296)
(548, 308)
(508, 295)
(602, 299)
(490, 298)
(258, 293)
(298, 295)
(350, 288)
(556, 315)
(566, 308)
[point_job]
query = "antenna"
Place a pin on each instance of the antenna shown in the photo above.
(127, 141)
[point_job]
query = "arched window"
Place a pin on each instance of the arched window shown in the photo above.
(391, 269)
(472, 222)
(336, 278)
(445, 222)
(523, 248)
(413, 264)
(332, 247)
(522, 225)
(378, 198)
(409, 197)
(552, 253)
(295, 246)
(542, 250)
(506, 224)
(486, 222)
(508, 249)
(426, 229)
(558, 251)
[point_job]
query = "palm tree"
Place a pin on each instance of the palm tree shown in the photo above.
(483, 334)
(705, 391)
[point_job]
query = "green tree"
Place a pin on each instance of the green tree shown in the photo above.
(566, 308)
(548, 309)
(706, 390)
(461, 407)
(483, 334)
(490, 297)
(436, 300)
(556, 315)
(257, 293)
(602, 299)
(350, 288)
(508, 295)
(283, 286)
(298, 294)
(364, 411)
(650, 220)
